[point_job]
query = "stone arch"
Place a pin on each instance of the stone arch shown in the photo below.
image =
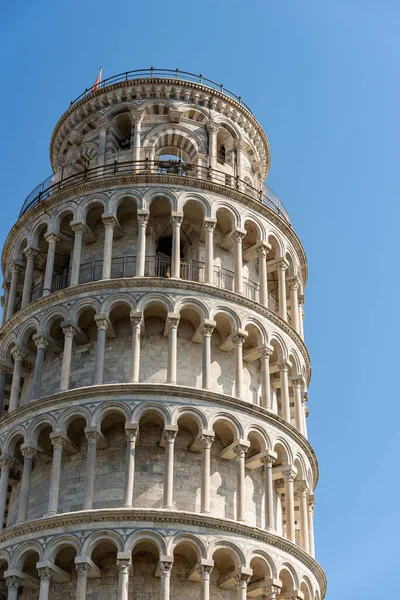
(282, 448)
(289, 577)
(194, 304)
(236, 552)
(38, 228)
(300, 466)
(12, 439)
(119, 196)
(279, 344)
(102, 536)
(154, 299)
(307, 588)
(118, 300)
(69, 415)
(226, 312)
(168, 135)
(191, 411)
(108, 409)
(188, 538)
(231, 421)
(60, 542)
(89, 201)
(260, 433)
(155, 193)
(250, 321)
(67, 208)
(51, 316)
(151, 408)
(8, 344)
(275, 240)
(193, 197)
(38, 424)
(256, 224)
(88, 303)
(266, 558)
(27, 329)
(23, 550)
(146, 535)
(230, 210)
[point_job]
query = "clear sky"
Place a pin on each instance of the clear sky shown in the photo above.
(323, 80)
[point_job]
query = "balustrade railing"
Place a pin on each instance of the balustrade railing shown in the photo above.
(158, 265)
(59, 181)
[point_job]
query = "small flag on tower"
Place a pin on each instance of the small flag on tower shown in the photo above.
(98, 80)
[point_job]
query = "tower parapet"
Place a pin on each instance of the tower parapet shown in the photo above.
(153, 370)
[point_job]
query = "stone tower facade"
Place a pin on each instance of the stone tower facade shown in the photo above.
(153, 371)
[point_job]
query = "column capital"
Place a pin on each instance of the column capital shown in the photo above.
(263, 249)
(296, 381)
(92, 435)
(209, 224)
(68, 329)
(173, 320)
(273, 588)
(283, 265)
(131, 434)
(6, 461)
(16, 267)
(207, 327)
(102, 321)
(205, 571)
(207, 437)
(136, 318)
(284, 365)
(240, 450)
(239, 336)
(239, 234)
(213, 127)
(13, 582)
(58, 440)
(165, 564)
(79, 227)
(267, 351)
(82, 567)
(28, 452)
(300, 299)
(243, 577)
(45, 573)
(30, 253)
(109, 221)
(176, 219)
(169, 435)
(289, 474)
(18, 353)
(293, 283)
(124, 563)
(269, 458)
(302, 488)
(137, 116)
(41, 341)
(52, 238)
(311, 502)
(143, 218)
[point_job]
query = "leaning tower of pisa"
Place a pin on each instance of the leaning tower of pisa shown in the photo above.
(153, 371)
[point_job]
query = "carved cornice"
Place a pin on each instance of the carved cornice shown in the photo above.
(160, 390)
(154, 282)
(118, 181)
(164, 518)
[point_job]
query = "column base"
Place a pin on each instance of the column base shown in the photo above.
(50, 513)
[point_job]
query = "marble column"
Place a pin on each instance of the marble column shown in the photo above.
(238, 340)
(124, 569)
(282, 268)
(297, 385)
(79, 228)
(238, 260)
(131, 437)
(240, 451)
(304, 412)
(18, 355)
(102, 146)
(28, 453)
(262, 273)
(137, 118)
(285, 397)
(15, 270)
(301, 316)
(102, 326)
(31, 255)
(45, 576)
(213, 129)
(209, 226)
(172, 324)
(205, 574)
(302, 494)
(52, 240)
(169, 437)
(176, 221)
(207, 331)
(58, 442)
(143, 219)
(69, 333)
(165, 570)
(3, 374)
(109, 224)
(241, 582)
(311, 504)
(4, 301)
(207, 440)
(239, 145)
(266, 353)
(41, 343)
(13, 584)
(294, 303)
(136, 322)
(272, 589)
(289, 476)
(268, 461)
(81, 582)
(92, 439)
(5, 464)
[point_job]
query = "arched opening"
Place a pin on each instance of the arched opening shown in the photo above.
(159, 240)
(123, 263)
(14, 484)
(149, 487)
(63, 584)
(250, 257)
(118, 353)
(260, 577)
(154, 344)
(187, 459)
(224, 249)
(104, 556)
(252, 364)
(223, 482)
(186, 557)
(83, 358)
(110, 465)
(71, 497)
(189, 347)
(93, 243)
(145, 571)
(223, 574)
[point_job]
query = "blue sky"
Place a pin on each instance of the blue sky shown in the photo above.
(323, 80)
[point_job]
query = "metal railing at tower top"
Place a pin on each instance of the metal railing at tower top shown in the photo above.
(144, 168)
(153, 73)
